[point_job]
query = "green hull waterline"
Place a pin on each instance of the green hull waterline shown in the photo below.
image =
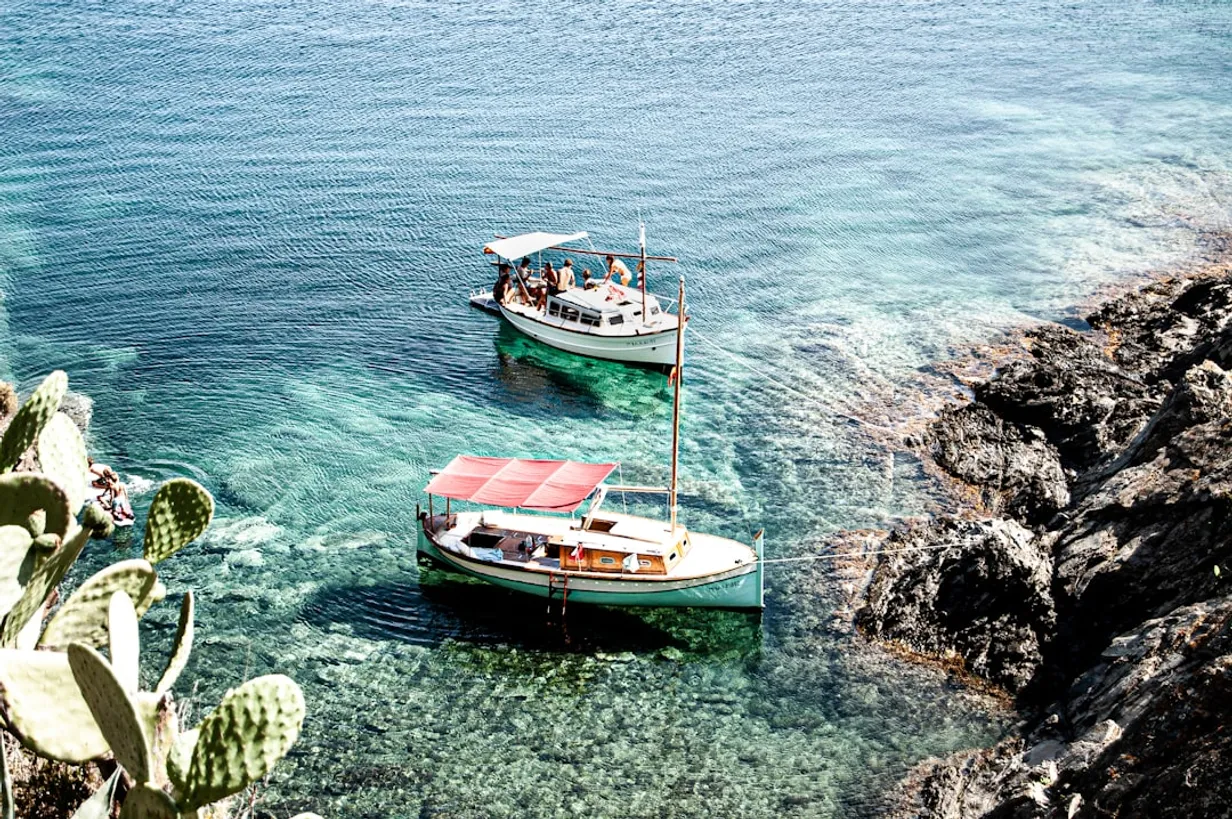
(742, 592)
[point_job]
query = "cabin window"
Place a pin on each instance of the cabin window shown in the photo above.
(590, 319)
(554, 309)
(673, 557)
(614, 320)
(607, 561)
(569, 313)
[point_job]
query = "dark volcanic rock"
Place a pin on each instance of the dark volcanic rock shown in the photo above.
(1145, 732)
(1147, 538)
(1016, 470)
(1087, 406)
(986, 600)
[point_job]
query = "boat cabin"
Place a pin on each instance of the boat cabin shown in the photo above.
(601, 307)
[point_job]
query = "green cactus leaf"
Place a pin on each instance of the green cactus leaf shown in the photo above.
(124, 641)
(241, 740)
(16, 564)
(98, 806)
(31, 418)
(180, 512)
(62, 457)
(24, 493)
(83, 617)
(182, 648)
(179, 759)
(114, 711)
(100, 524)
(148, 802)
(43, 707)
(45, 578)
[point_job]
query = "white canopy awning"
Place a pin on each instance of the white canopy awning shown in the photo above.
(517, 246)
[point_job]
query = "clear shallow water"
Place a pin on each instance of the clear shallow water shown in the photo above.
(246, 229)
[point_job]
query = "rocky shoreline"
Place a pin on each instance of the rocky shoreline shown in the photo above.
(1091, 577)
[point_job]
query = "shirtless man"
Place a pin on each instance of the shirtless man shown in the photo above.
(617, 267)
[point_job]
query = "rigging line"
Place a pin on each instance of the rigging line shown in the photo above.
(747, 365)
(861, 554)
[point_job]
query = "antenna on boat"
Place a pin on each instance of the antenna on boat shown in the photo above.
(678, 372)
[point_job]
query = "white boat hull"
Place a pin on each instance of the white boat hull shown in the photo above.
(647, 347)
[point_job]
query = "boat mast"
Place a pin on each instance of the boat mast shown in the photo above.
(678, 372)
(641, 268)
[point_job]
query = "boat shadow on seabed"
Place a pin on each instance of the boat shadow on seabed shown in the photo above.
(444, 606)
(535, 376)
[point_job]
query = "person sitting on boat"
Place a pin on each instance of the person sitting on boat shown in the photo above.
(587, 282)
(524, 270)
(503, 287)
(615, 267)
(551, 278)
(564, 276)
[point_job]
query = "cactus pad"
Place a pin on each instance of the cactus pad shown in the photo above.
(25, 493)
(43, 707)
(182, 648)
(83, 617)
(15, 564)
(241, 740)
(31, 418)
(180, 757)
(180, 512)
(45, 578)
(62, 457)
(124, 640)
(113, 710)
(100, 524)
(148, 802)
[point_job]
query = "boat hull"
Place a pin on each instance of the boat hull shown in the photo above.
(653, 348)
(738, 588)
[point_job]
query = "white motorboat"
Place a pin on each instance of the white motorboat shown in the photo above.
(610, 321)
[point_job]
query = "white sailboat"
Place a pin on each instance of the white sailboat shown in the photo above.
(610, 321)
(603, 557)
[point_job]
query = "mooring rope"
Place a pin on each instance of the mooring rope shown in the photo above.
(807, 397)
(804, 558)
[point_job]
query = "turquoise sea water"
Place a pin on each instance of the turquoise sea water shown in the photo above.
(247, 229)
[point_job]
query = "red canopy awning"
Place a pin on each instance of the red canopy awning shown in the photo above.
(549, 486)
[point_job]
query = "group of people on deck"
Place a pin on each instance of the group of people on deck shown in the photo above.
(551, 281)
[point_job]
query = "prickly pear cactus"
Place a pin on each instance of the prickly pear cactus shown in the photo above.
(43, 707)
(182, 647)
(124, 641)
(62, 457)
(147, 802)
(113, 710)
(25, 493)
(180, 512)
(31, 418)
(45, 578)
(241, 740)
(83, 617)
